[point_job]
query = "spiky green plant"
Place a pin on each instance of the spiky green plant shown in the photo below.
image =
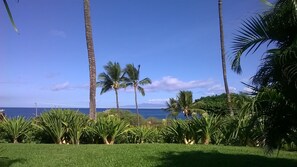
(180, 131)
(16, 127)
(53, 123)
(76, 124)
(142, 134)
(110, 127)
(208, 126)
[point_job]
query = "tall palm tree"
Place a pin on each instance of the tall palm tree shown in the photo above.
(133, 80)
(111, 79)
(91, 57)
(223, 56)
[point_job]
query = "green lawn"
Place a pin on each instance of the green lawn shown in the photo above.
(172, 155)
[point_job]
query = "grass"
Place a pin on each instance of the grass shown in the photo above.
(159, 155)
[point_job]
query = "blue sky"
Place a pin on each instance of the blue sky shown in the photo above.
(176, 42)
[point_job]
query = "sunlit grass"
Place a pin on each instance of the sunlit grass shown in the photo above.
(139, 155)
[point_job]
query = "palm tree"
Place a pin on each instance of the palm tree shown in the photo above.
(91, 57)
(223, 55)
(185, 103)
(277, 28)
(172, 108)
(111, 79)
(133, 80)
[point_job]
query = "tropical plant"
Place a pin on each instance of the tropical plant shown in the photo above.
(16, 127)
(63, 125)
(133, 80)
(180, 131)
(172, 108)
(208, 127)
(53, 124)
(112, 79)
(244, 129)
(144, 134)
(76, 124)
(186, 105)
(223, 57)
(109, 128)
(278, 116)
(277, 74)
(91, 58)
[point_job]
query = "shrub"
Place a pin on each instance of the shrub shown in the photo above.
(109, 128)
(16, 128)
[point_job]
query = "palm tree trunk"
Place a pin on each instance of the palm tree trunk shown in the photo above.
(223, 55)
(117, 99)
(136, 105)
(91, 57)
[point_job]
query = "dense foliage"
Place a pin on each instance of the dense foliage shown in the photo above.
(275, 83)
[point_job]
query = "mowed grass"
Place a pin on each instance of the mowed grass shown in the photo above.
(140, 155)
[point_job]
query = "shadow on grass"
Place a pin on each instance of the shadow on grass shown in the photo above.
(6, 162)
(216, 159)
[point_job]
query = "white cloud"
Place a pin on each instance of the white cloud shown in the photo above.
(60, 86)
(218, 89)
(247, 90)
(67, 86)
(157, 101)
(169, 83)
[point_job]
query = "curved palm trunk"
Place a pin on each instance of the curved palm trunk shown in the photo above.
(136, 105)
(91, 57)
(117, 99)
(224, 58)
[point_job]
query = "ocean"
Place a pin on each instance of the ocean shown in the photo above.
(31, 112)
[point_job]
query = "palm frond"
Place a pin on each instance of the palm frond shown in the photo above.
(251, 36)
(145, 81)
(10, 16)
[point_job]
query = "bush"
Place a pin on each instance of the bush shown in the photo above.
(16, 128)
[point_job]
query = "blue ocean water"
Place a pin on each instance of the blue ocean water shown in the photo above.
(31, 112)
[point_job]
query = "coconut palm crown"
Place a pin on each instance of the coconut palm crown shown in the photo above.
(132, 79)
(112, 79)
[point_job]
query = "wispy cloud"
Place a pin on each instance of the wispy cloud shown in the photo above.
(157, 101)
(218, 89)
(247, 90)
(60, 86)
(169, 83)
(67, 86)
(58, 33)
